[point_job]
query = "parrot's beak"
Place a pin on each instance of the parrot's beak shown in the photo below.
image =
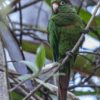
(55, 7)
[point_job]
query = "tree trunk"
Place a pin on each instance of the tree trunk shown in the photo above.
(4, 95)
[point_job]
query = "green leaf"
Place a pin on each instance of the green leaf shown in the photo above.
(16, 96)
(40, 58)
(33, 67)
(32, 47)
(25, 76)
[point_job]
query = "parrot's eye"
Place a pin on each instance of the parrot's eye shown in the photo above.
(62, 3)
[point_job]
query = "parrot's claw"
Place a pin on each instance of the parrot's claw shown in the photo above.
(94, 63)
(85, 31)
(70, 54)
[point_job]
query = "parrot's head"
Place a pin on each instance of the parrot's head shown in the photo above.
(60, 6)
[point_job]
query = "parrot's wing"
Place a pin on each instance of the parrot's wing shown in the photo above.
(53, 37)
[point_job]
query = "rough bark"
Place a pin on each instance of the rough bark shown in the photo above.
(4, 95)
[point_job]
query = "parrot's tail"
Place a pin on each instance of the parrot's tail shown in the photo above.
(63, 85)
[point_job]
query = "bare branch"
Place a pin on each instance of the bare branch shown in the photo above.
(94, 53)
(55, 89)
(21, 33)
(34, 29)
(33, 76)
(11, 72)
(24, 90)
(87, 59)
(82, 85)
(28, 4)
(80, 7)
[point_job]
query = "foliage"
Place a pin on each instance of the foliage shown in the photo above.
(48, 2)
(40, 61)
(16, 96)
(40, 58)
(32, 47)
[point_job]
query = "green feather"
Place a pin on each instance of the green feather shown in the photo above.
(52, 38)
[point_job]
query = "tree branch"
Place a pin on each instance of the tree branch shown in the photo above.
(80, 7)
(26, 5)
(24, 90)
(94, 53)
(55, 89)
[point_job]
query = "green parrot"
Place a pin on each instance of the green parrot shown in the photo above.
(64, 29)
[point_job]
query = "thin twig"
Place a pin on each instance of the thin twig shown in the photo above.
(38, 15)
(46, 13)
(34, 36)
(25, 90)
(32, 29)
(26, 25)
(55, 89)
(32, 76)
(82, 85)
(21, 34)
(94, 53)
(26, 5)
(10, 90)
(95, 69)
(87, 59)
(46, 95)
(10, 72)
(86, 79)
(80, 7)
(96, 27)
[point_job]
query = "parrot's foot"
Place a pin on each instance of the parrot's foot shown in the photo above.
(85, 31)
(70, 54)
(93, 63)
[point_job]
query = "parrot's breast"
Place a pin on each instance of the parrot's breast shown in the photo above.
(68, 37)
(68, 26)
